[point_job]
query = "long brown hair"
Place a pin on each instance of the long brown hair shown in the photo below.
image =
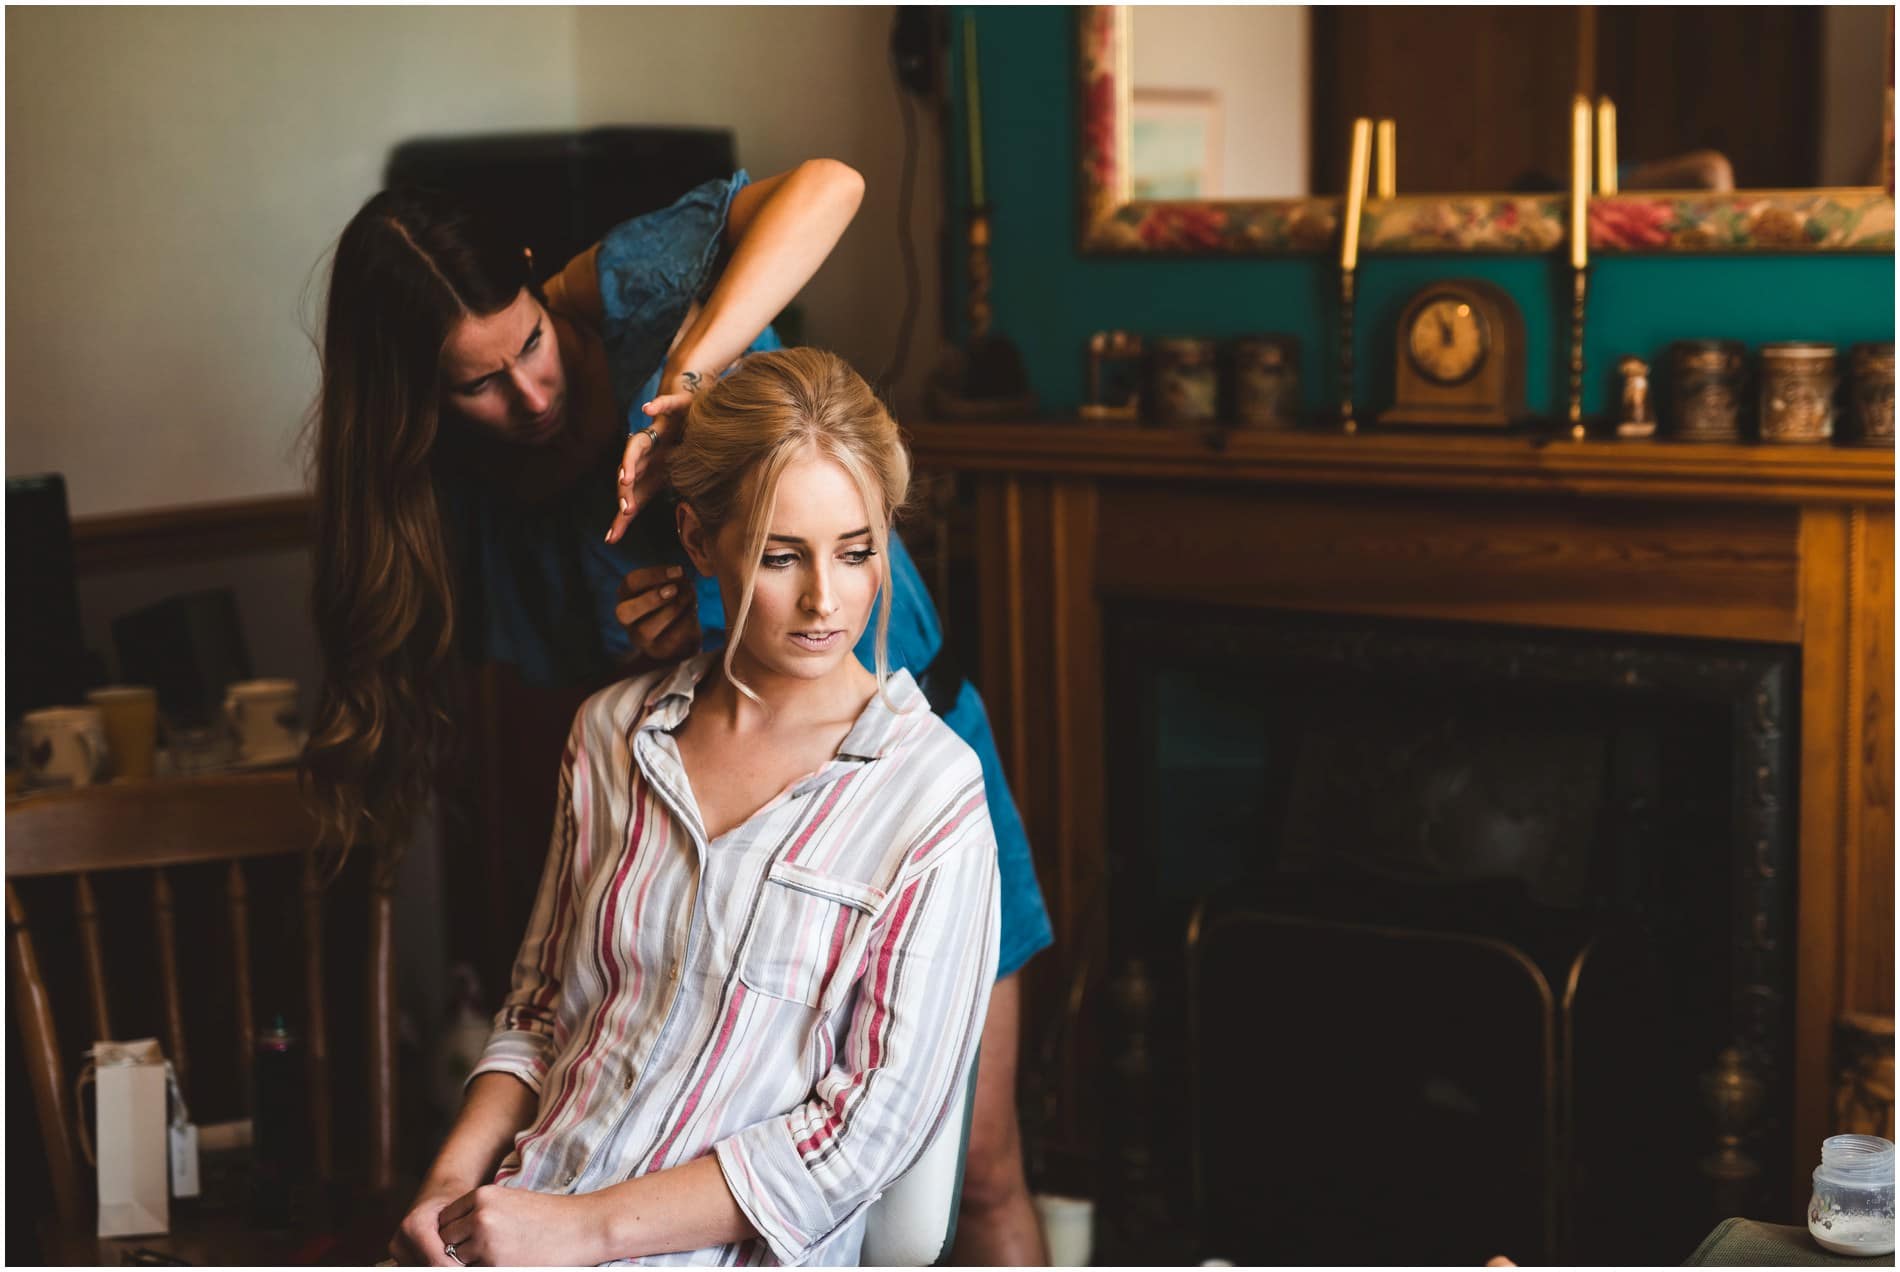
(408, 267)
(743, 431)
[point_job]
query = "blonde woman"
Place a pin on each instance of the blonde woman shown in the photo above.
(763, 946)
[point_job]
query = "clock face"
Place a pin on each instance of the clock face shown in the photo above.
(1448, 340)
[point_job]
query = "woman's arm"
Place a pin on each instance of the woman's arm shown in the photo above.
(495, 1110)
(685, 1207)
(781, 230)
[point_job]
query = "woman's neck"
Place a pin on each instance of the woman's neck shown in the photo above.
(785, 701)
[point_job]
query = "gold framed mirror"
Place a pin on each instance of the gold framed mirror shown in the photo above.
(1175, 160)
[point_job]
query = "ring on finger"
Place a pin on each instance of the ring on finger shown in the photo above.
(449, 1250)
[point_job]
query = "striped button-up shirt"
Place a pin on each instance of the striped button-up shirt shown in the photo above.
(801, 996)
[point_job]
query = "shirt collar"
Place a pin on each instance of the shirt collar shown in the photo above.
(887, 719)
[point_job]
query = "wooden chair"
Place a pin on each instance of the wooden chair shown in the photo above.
(154, 837)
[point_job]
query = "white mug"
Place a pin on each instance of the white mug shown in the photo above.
(65, 744)
(263, 715)
(1068, 1227)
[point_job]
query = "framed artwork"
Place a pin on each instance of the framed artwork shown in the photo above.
(1175, 143)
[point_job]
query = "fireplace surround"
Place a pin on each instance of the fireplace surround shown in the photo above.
(1765, 547)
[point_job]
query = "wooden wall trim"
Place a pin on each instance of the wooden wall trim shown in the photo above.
(1868, 982)
(1824, 894)
(194, 532)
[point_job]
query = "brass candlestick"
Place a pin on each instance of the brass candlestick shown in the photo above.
(1579, 297)
(1358, 175)
(977, 305)
(1346, 421)
(1732, 1094)
(1579, 251)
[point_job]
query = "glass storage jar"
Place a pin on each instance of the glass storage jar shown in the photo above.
(1852, 1209)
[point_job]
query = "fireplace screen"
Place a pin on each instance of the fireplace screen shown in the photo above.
(1457, 919)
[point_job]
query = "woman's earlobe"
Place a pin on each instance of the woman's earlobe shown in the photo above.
(692, 538)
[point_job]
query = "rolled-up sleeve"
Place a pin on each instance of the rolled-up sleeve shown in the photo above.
(530, 1027)
(651, 270)
(915, 1025)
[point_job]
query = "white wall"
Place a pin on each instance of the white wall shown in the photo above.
(1257, 58)
(793, 82)
(175, 175)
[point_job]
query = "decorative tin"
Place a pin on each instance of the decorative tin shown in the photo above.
(1705, 378)
(1114, 378)
(1870, 395)
(1184, 382)
(1797, 392)
(1267, 382)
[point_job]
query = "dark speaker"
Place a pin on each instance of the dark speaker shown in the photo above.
(46, 660)
(189, 648)
(559, 192)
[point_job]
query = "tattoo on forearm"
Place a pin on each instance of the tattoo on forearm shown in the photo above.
(691, 380)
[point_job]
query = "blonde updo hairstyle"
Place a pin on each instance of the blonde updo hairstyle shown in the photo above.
(771, 409)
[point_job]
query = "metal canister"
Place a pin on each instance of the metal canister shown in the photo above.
(1797, 392)
(1870, 394)
(1267, 381)
(1705, 390)
(1183, 382)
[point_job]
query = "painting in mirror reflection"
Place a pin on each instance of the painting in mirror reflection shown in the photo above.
(1257, 102)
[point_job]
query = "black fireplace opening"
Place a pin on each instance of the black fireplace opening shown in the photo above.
(1431, 933)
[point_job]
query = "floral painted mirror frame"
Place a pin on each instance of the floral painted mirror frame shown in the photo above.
(1847, 219)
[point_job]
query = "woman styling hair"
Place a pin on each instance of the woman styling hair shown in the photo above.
(466, 434)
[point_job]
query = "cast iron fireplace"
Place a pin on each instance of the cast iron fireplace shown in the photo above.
(1432, 932)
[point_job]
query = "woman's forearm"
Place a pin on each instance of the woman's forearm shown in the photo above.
(780, 240)
(686, 1207)
(498, 1107)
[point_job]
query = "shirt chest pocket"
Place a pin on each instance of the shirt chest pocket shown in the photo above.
(804, 923)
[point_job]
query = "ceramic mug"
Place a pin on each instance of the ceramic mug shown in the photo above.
(130, 716)
(64, 745)
(263, 715)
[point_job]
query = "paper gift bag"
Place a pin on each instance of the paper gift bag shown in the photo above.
(130, 1092)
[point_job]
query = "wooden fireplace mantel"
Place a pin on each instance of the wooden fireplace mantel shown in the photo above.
(1791, 546)
(1414, 461)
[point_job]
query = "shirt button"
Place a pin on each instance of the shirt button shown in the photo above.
(626, 1083)
(573, 1179)
(673, 971)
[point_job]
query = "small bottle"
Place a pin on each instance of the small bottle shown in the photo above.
(275, 1139)
(1852, 1209)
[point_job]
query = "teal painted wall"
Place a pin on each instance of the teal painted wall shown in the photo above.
(1048, 297)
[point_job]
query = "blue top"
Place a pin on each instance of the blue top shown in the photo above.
(537, 584)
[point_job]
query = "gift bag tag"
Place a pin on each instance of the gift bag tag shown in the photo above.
(183, 1139)
(184, 1146)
